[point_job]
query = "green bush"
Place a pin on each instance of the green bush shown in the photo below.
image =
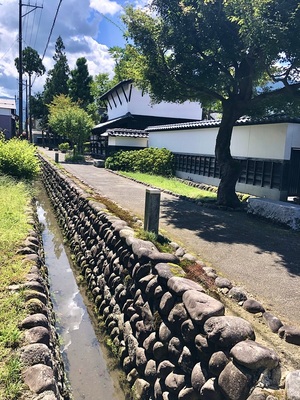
(18, 159)
(74, 158)
(150, 160)
(64, 146)
(86, 147)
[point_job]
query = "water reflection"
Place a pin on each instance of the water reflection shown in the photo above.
(84, 359)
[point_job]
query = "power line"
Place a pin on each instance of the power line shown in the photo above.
(32, 25)
(30, 30)
(52, 27)
(50, 34)
(39, 24)
(16, 39)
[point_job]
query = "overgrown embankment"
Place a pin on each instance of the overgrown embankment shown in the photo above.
(14, 227)
(30, 363)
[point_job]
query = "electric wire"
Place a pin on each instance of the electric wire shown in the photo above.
(25, 21)
(16, 40)
(32, 25)
(52, 27)
(50, 34)
(39, 24)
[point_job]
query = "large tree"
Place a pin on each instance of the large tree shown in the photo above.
(58, 76)
(128, 63)
(80, 83)
(70, 121)
(31, 64)
(39, 109)
(242, 54)
(99, 85)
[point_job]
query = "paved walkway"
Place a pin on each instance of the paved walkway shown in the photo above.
(261, 257)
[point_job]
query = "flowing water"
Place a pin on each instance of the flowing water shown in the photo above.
(85, 358)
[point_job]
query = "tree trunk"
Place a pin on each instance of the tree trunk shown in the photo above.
(229, 168)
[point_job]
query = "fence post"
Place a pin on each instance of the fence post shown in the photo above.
(152, 206)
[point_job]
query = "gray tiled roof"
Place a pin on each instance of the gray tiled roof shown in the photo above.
(125, 132)
(216, 123)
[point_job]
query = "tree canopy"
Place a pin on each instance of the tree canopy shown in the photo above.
(58, 76)
(70, 121)
(31, 62)
(241, 54)
(128, 62)
(100, 84)
(80, 83)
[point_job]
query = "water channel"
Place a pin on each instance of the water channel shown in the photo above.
(85, 358)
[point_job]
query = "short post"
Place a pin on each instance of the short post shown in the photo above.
(152, 205)
(56, 157)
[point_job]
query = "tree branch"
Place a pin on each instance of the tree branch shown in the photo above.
(289, 90)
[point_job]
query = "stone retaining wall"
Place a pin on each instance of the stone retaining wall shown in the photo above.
(287, 214)
(43, 368)
(173, 340)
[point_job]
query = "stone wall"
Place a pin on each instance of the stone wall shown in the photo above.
(174, 341)
(284, 213)
(43, 369)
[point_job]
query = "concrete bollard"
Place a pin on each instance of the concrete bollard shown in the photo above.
(56, 157)
(152, 206)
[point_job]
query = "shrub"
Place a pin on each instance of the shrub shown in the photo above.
(18, 159)
(64, 146)
(74, 158)
(150, 160)
(86, 147)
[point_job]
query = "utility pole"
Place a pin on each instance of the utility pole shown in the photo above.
(20, 72)
(26, 119)
(21, 62)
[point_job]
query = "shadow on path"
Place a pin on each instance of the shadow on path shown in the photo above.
(220, 226)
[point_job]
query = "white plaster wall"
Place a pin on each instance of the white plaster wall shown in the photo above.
(200, 141)
(141, 105)
(127, 141)
(273, 194)
(292, 140)
(198, 178)
(258, 141)
(120, 109)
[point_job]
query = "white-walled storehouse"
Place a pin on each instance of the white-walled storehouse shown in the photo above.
(268, 149)
(126, 98)
(129, 108)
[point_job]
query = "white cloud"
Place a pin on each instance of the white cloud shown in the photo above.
(77, 22)
(106, 7)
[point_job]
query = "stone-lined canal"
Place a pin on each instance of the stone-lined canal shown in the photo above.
(84, 357)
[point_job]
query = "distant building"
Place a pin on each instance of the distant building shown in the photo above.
(8, 117)
(116, 139)
(129, 108)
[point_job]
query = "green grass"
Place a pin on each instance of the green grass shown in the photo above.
(14, 198)
(173, 185)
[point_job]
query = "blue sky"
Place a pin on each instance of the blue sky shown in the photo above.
(88, 29)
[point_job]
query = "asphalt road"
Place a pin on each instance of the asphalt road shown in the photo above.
(261, 257)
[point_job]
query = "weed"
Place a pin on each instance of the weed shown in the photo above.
(14, 198)
(160, 241)
(18, 159)
(10, 376)
(173, 185)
